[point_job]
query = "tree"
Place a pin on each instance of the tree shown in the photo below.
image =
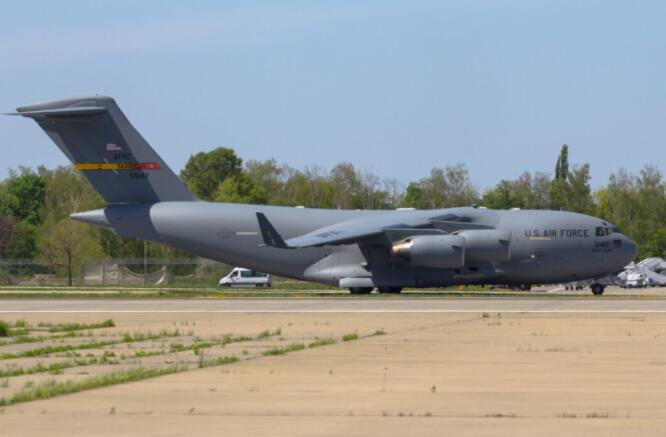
(318, 188)
(205, 171)
(446, 187)
(67, 191)
(240, 189)
(66, 245)
(578, 192)
(559, 187)
(532, 191)
(501, 197)
(562, 165)
(637, 205)
(6, 231)
(345, 186)
(23, 197)
(23, 241)
(269, 176)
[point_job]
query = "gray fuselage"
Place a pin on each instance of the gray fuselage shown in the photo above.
(545, 247)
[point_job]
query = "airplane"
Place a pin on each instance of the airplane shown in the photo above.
(386, 250)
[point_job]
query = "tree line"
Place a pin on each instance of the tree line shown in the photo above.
(35, 204)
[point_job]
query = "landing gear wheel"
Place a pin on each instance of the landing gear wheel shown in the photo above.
(360, 290)
(525, 287)
(394, 290)
(597, 289)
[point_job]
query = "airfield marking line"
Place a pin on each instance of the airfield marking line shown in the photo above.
(481, 310)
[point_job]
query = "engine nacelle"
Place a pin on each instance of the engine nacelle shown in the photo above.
(487, 245)
(436, 251)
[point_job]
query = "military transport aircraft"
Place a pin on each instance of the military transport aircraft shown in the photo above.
(359, 250)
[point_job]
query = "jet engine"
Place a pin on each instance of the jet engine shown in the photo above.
(487, 245)
(436, 251)
(454, 250)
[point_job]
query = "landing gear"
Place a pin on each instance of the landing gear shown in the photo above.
(525, 287)
(360, 290)
(597, 289)
(389, 289)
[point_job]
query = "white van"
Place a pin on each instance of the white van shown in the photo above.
(241, 276)
(636, 280)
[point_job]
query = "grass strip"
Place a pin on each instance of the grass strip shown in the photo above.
(51, 368)
(51, 388)
(81, 326)
(321, 342)
(267, 333)
(219, 361)
(47, 350)
(23, 339)
(284, 350)
(350, 337)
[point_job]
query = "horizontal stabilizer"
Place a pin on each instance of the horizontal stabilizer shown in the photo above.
(84, 110)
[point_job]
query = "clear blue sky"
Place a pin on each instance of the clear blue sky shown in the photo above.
(394, 87)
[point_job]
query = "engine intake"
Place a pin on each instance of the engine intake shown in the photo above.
(436, 251)
(488, 245)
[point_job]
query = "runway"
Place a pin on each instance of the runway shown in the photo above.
(336, 305)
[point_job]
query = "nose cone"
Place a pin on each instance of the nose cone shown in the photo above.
(630, 249)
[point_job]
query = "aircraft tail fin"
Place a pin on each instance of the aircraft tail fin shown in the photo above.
(100, 141)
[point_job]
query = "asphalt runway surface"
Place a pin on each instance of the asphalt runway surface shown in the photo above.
(336, 305)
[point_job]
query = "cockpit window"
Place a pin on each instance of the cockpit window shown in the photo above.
(602, 231)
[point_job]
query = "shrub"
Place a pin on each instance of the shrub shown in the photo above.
(4, 329)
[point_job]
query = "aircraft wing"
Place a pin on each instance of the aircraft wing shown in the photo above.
(390, 226)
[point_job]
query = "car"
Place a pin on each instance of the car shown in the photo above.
(243, 276)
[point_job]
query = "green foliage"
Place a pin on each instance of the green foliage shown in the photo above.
(6, 231)
(570, 190)
(447, 187)
(267, 333)
(240, 189)
(5, 330)
(219, 361)
(501, 197)
(67, 191)
(637, 205)
(284, 350)
(46, 350)
(321, 342)
(66, 245)
(81, 326)
(23, 196)
(51, 388)
(23, 241)
(205, 171)
(562, 165)
(350, 337)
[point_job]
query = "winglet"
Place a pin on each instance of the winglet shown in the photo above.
(269, 234)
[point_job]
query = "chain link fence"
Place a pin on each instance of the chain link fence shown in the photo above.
(126, 272)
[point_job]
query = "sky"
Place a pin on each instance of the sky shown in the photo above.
(396, 88)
